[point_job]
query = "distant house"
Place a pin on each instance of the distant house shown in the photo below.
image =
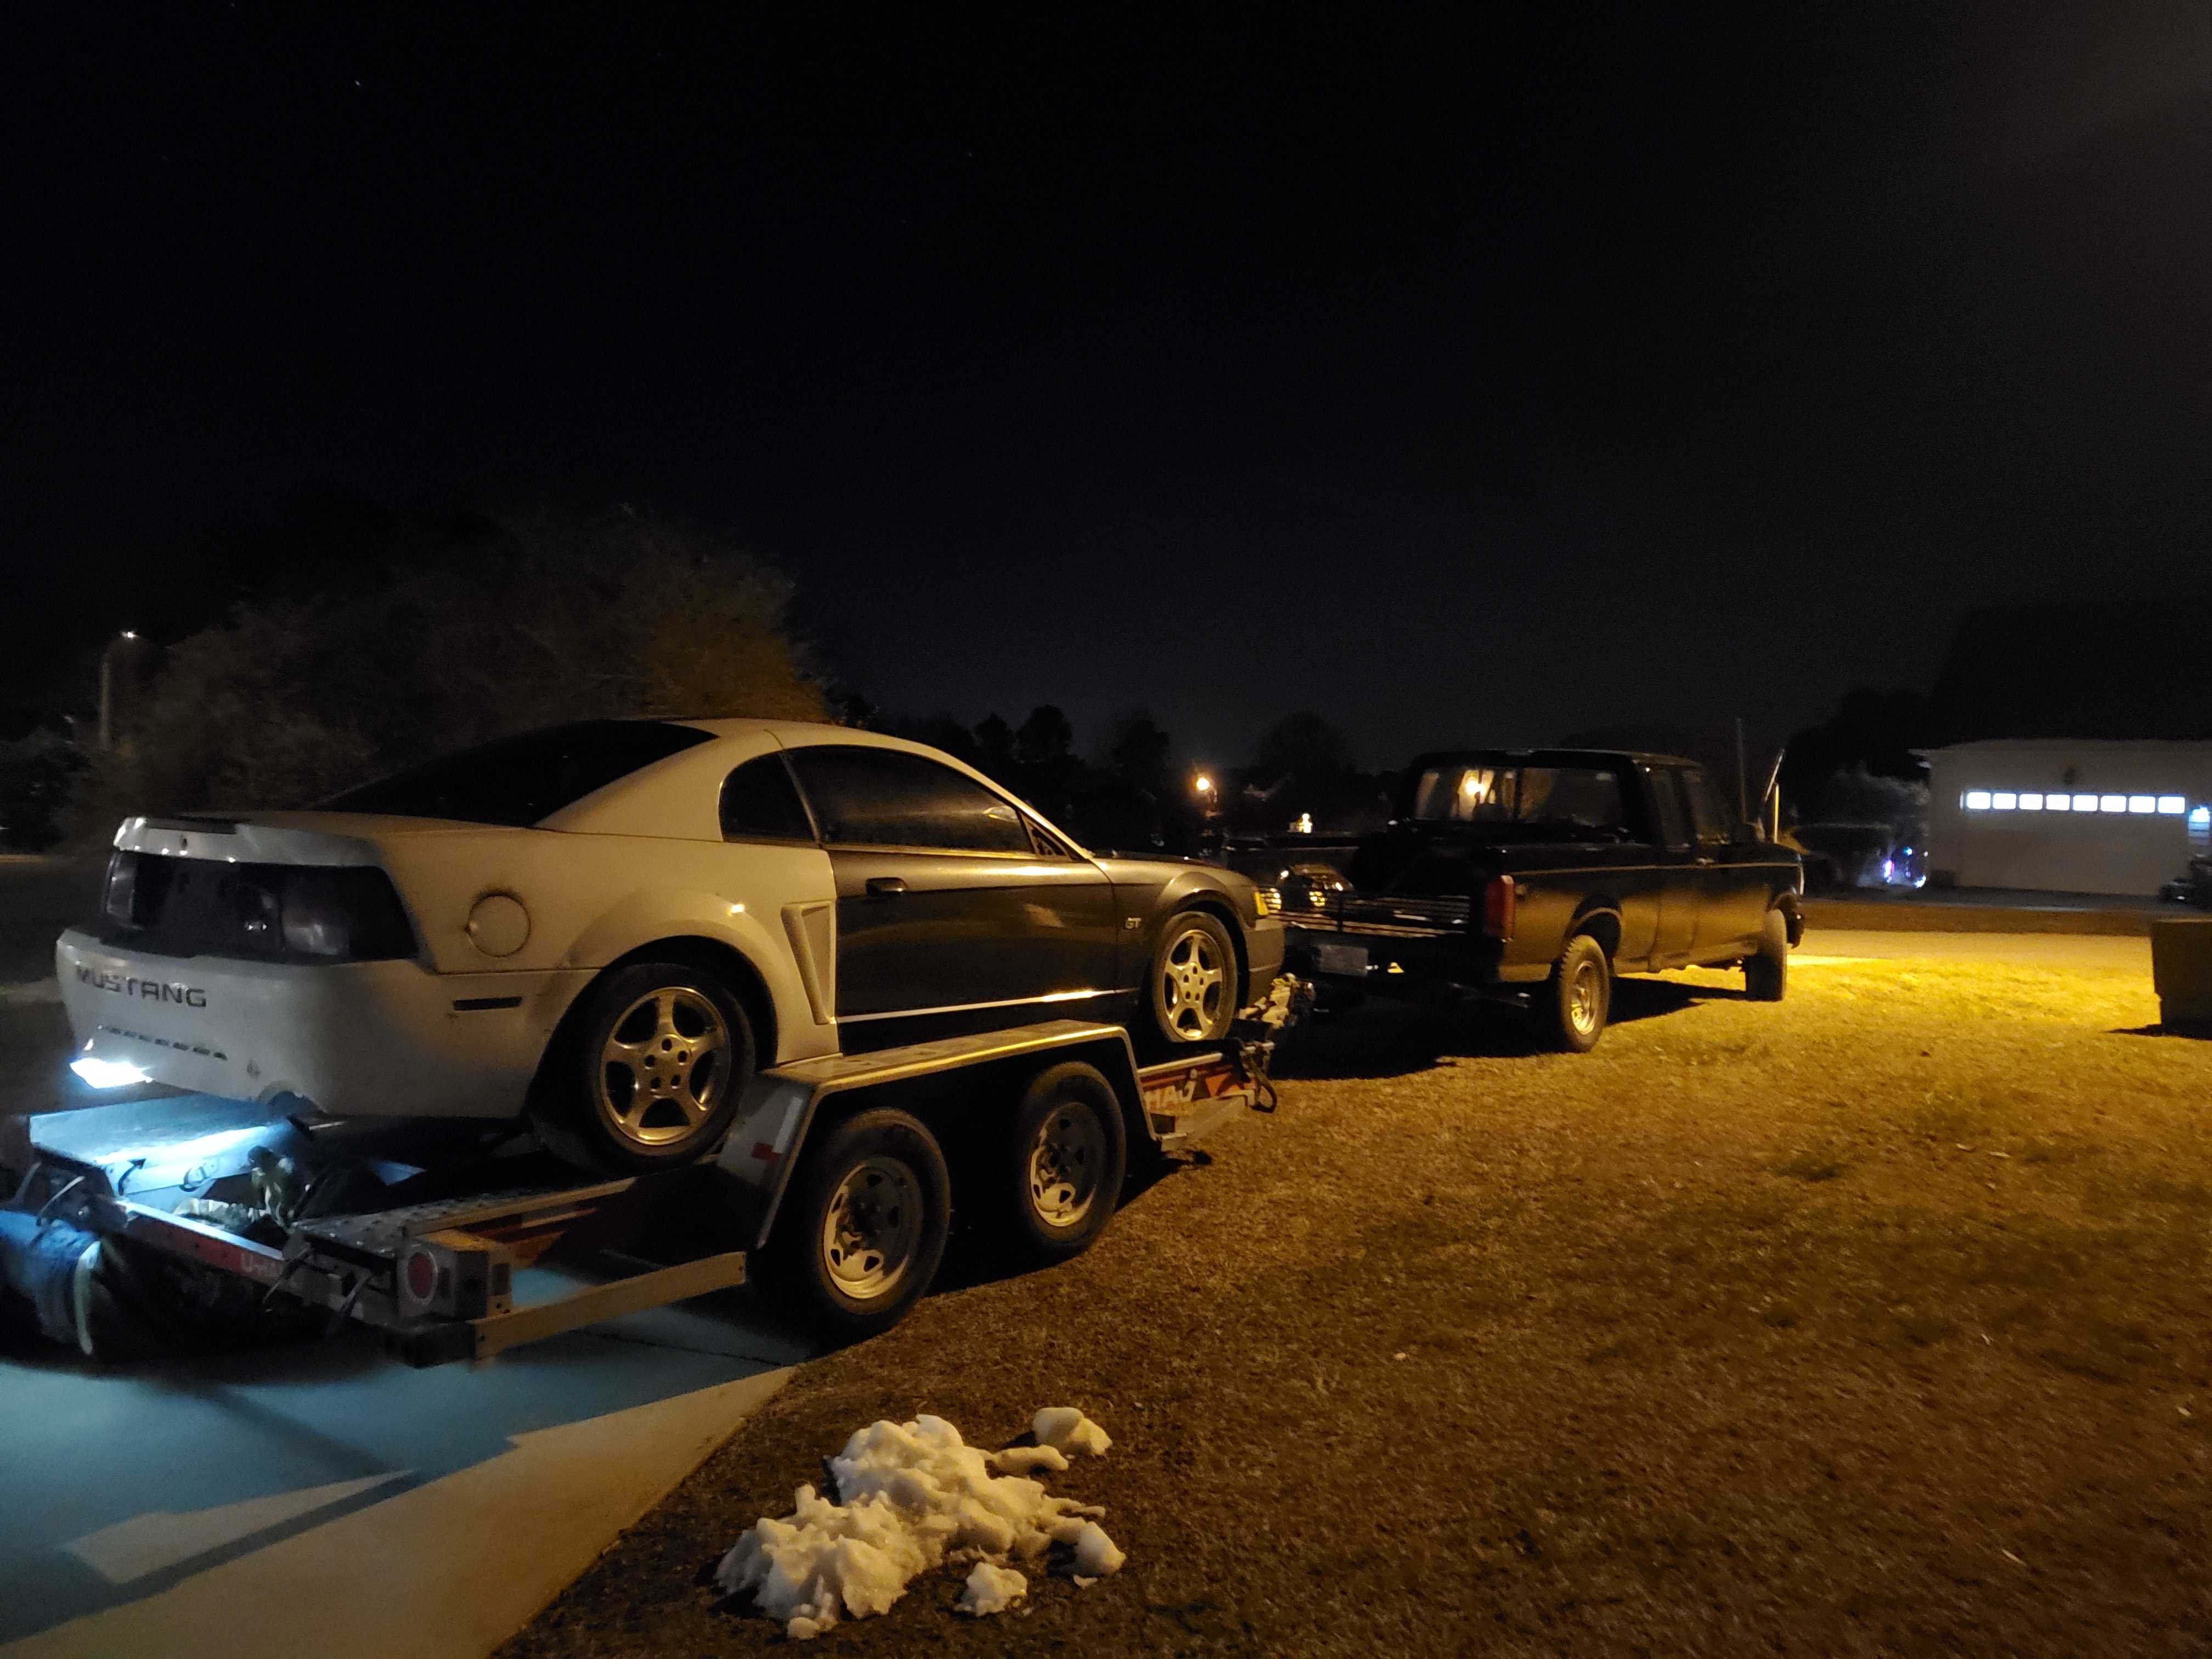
(2081, 750)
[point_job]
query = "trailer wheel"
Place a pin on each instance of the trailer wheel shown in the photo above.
(863, 1228)
(1192, 992)
(1766, 976)
(1578, 997)
(647, 1073)
(1055, 1178)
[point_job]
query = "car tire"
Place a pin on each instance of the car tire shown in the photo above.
(1052, 1180)
(647, 1071)
(1577, 999)
(1192, 985)
(862, 1233)
(1766, 976)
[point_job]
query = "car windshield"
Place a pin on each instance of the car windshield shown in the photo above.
(1581, 798)
(521, 780)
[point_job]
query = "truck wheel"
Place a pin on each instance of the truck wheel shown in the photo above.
(1766, 976)
(647, 1072)
(1055, 1178)
(863, 1228)
(1192, 991)
(1578, 997)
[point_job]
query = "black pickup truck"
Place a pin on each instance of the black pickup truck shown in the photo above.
(1535, 875)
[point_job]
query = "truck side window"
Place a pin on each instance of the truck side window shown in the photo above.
(888, 798)
(1674, 824)
(760, 803)
(1705, 808)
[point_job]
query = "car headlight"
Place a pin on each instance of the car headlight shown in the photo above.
(1268, 901)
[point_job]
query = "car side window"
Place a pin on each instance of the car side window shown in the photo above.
(760, 802)
(888, 798)
(1674, 825)
(1705, 812)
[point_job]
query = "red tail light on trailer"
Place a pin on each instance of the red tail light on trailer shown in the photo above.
(1497, 904)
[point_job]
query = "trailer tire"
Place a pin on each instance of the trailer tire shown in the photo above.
(1051, 1183)
(1576, 999)
(1193, 990)
(590, 1116)
(1766, 976)
(862, 1230)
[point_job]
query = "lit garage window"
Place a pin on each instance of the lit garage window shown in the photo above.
(2142, 803)
(2003, 801)
(2031, 802)
(2172, 806)
(2085, 803)
(2058, 803)
(2111, 803)
(1976, 800)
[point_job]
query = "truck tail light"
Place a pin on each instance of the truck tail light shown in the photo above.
(1498, 899)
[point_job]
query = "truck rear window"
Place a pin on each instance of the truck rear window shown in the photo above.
(521, 780)
(1551, 797)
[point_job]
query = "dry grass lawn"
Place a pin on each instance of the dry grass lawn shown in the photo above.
(1877, 1321)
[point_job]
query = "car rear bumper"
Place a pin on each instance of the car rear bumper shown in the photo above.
(368, 1039)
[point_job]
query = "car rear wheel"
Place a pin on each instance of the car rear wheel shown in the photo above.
(862, 1231)
(1193, 988)
(647, 1072)
(1766, 976)
(1577, 999)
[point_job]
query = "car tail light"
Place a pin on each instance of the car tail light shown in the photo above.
(347, 914)
(1498, 901)
(119, 898)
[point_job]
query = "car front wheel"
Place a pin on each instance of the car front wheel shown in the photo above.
(1766, 976)
(1192, 990)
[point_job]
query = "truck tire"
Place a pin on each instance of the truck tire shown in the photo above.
(647, 1071)
(1052, 1181)
(1578, 997)
(862, 1230)
(1766, 976)
(1192, 992)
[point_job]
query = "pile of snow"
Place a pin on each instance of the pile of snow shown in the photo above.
(910, 1498)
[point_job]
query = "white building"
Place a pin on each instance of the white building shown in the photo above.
(2063, 815)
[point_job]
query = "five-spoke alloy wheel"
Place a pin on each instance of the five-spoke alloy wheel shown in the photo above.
(646, 1070)
(1194, 981)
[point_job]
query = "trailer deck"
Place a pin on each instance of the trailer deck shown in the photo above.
(420, 1231)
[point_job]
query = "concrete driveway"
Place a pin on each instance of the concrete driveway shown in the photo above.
(322, 1499)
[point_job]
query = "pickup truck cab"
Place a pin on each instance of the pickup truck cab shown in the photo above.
(1536, 875)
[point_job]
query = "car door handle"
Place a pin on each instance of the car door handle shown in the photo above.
(884, 886)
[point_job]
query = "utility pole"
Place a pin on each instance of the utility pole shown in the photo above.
(107, 688)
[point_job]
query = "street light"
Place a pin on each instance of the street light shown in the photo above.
(1203, 784)
(106, 683)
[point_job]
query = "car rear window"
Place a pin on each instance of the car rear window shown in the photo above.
(522, 779)
(1551, 797)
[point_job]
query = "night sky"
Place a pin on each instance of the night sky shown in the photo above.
(1467, 378)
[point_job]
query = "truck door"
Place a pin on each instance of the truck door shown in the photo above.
(1734, 878)
(1682, 881)
(946, 906)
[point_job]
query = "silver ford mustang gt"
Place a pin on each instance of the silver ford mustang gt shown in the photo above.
(611, 926)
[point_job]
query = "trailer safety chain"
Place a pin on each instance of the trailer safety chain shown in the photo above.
(268, 1297)
(344, 1311)
(46, 1209)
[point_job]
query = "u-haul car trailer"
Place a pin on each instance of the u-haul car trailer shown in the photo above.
(837, 1178)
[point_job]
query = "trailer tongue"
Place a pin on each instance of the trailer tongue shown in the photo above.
(457, 1241)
